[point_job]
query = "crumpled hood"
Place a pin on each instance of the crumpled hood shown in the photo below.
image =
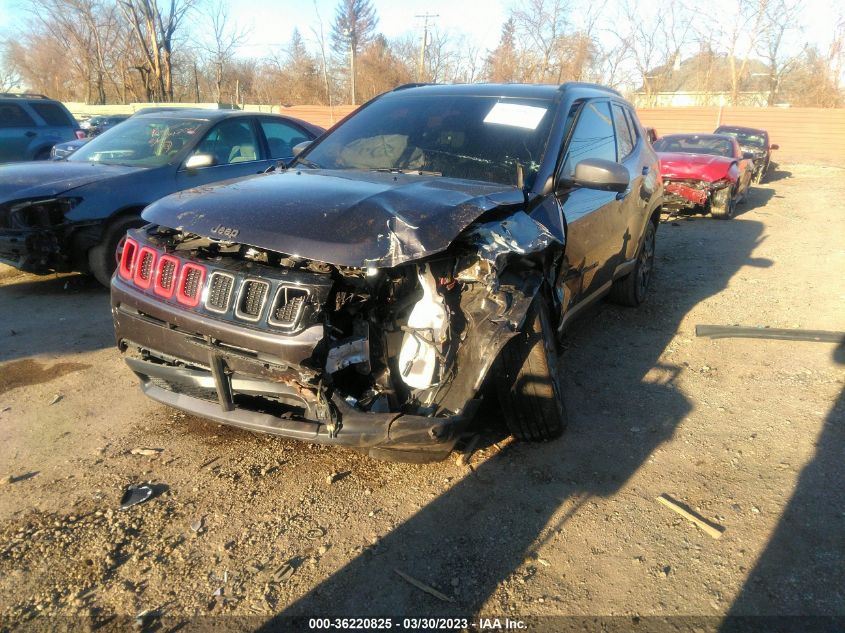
(346, 218)
(694, 166)
(51, 178)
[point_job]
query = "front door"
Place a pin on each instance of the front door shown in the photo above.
(237, 151)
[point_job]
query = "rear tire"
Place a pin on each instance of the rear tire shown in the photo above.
(527, 379)
(102, 259)
(632, 289)
(722, 204)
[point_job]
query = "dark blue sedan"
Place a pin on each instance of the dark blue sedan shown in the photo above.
(71, 214)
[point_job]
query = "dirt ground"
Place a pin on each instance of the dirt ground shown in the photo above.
(748, 433)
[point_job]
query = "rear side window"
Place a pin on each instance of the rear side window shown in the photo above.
(52, 114)
(624, 141)
(281, 137)
(13, 115)
(592, 138)
(633, 124)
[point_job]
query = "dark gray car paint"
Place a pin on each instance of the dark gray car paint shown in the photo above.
(346, 218)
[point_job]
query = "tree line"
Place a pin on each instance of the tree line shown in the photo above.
(121, 51)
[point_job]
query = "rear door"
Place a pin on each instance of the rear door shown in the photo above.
(59, 126)
(237, 148)
(17, 131)
(281, 137)
(596, 224)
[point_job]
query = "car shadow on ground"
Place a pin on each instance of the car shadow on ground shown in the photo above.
(757, 197)
(622, 405)
(776, 173)
(52, 316)
(800, 571)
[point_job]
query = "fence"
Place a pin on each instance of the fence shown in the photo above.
(804, 134)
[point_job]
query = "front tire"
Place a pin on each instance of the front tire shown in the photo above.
(527, 379)
(722, 204)
(101, 258)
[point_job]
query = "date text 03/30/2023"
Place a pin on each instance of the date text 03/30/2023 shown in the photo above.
(411, 624)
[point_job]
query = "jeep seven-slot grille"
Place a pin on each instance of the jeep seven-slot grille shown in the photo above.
(288, 306)
(219, 292)
(192, 281)
(251, 299)
(168, 272)
(146, 267)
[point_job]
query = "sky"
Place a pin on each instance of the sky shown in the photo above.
(271, 22)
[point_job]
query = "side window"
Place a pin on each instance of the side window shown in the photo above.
(52, 114)
(231, 142)
(633, 124)
(281, 137)
(12, 115)
(592, 138)
(624, 142)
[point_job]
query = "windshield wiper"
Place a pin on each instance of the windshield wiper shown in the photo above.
(417, 172)
(304, 161)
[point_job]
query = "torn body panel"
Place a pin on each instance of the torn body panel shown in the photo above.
(375, 219)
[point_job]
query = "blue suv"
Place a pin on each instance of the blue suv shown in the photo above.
(31, 124)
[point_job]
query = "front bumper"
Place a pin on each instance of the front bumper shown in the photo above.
(31, 250)
(247, 378)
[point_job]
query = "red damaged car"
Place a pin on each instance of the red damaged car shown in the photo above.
(705, 173)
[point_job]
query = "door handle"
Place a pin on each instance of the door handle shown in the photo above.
(30, 134)
(645, 170)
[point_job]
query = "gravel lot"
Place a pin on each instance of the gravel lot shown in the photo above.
(748, 433)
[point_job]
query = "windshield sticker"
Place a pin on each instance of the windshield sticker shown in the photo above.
(515, 115)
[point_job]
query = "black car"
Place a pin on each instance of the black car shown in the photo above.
(70, 214)
(755, 142)
(430, 247)
(106, 123)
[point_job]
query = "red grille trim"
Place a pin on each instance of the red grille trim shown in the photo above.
(127, 258)
(160, 287)
(140, 280)
(192, 297)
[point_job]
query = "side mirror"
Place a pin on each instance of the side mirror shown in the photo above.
(604, 175)
(748, 155)
(300, 147)
(774, 146)
(198, 161)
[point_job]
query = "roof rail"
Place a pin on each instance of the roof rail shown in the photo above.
(412, 85)
(22, 95)
(591, 86)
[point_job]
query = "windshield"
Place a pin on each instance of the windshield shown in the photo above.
(695, 145)
(477, 138)
(745, 139)
(145, 142)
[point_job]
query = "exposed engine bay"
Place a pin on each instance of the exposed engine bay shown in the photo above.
(416, 340)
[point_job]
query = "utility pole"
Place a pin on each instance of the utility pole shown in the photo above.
(421, 67)
(351, 35)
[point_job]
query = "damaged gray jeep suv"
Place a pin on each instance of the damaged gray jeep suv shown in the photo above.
(431, 247)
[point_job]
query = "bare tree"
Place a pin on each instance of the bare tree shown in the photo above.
(354, 28)
(10, 75)
(781, 19)
(224, 38)
(654, 42)
(155, 32)
(324, 66)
